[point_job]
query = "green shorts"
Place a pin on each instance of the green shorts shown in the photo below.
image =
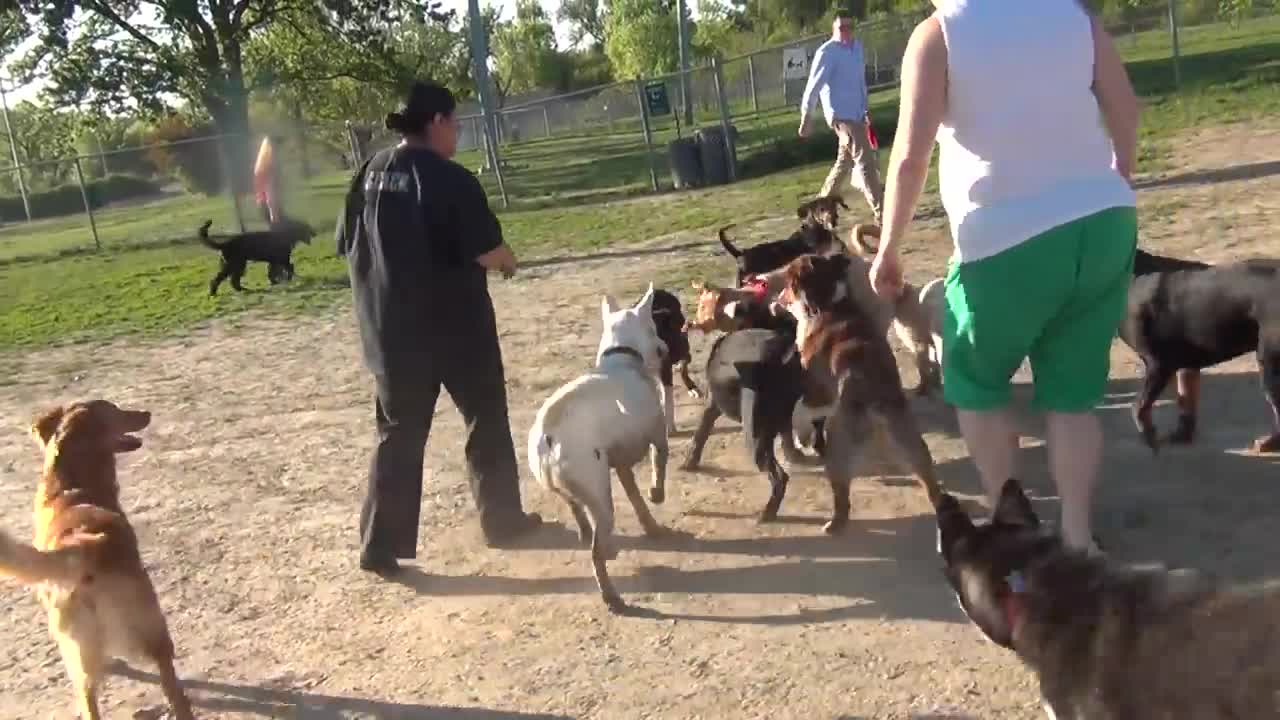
(1057, 299)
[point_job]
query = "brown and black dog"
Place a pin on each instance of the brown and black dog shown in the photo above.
(844, 348)
(816, 234)
(1186, 315)
(102, 604)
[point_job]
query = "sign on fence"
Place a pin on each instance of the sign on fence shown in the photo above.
(655, 96)
(795, 63)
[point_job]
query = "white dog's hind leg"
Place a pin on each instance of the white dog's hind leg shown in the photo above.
(602, 548)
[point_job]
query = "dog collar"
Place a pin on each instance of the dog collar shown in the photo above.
(622, 350)
(1012, 601)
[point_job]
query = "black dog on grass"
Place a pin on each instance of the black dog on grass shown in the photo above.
(273, 246)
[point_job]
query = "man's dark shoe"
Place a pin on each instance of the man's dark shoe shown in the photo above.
(381, 565)
(509, 529)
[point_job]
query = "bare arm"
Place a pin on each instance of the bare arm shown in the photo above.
(924, 102)
(1116, 99)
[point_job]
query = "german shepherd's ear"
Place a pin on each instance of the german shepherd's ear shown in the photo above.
(44, 426)
(805, 210)
(1013, 507)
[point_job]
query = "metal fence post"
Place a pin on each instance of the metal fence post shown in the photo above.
(730, 154)
(751, 78)
(546, 121)
(648, 134)
(13, 150)
(88, 208)
(1173, 33)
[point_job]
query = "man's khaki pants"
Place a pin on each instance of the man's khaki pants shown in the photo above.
(856, 160)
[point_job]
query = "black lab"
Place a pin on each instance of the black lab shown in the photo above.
(273, 246)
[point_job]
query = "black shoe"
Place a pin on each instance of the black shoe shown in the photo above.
(380, 565)
(503, 532)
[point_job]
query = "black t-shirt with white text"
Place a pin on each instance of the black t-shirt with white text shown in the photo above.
(412, 227)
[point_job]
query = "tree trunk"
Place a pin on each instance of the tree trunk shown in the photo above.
(230, 115)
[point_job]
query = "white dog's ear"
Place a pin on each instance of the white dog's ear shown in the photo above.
(608, 306)
(645, 306)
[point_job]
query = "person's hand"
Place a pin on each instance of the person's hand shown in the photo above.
(803, 132)
(886, 273)
(508, 268)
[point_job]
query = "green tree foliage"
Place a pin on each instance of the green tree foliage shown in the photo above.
(13, 28)
(586, 21)
(123, 55)
(45, 142)
(640, 37)
(305, 72)
(525, 54)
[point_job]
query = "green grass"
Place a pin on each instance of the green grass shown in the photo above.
(575, 195)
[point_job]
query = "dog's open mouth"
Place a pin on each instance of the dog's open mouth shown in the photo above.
(127, 443)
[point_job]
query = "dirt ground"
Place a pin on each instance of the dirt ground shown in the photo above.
(246, 493)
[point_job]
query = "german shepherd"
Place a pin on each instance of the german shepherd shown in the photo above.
(1106, 641)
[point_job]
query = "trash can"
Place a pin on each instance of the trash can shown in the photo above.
(715, 159)
(686, 163)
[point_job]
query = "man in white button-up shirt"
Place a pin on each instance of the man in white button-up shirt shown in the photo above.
(839, 78)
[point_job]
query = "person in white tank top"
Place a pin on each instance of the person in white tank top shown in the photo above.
(1037, 126)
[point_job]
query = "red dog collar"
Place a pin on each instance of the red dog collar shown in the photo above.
(758, 286)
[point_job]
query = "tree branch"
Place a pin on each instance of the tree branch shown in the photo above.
(102, 9)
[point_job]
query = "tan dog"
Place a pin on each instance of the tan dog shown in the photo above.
(917, 321)
(729, 309)
(100, 600)
(858, 243)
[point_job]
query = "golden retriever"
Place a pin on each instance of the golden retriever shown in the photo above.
(85, 560)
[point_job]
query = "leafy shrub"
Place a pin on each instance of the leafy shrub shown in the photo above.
(197, 165)
(66, 199)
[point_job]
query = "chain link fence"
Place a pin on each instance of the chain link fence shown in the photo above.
(594, 145)
(146, 196)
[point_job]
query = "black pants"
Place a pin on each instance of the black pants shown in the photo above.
(471, 371)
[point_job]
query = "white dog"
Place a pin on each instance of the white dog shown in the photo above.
(608, 418)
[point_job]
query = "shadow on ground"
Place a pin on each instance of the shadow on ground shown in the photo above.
(1210, 505)
(274, 703)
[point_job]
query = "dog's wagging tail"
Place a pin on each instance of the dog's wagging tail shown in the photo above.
(724, 241)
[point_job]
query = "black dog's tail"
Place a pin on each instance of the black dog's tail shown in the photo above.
(728, 246)
(203, 234)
